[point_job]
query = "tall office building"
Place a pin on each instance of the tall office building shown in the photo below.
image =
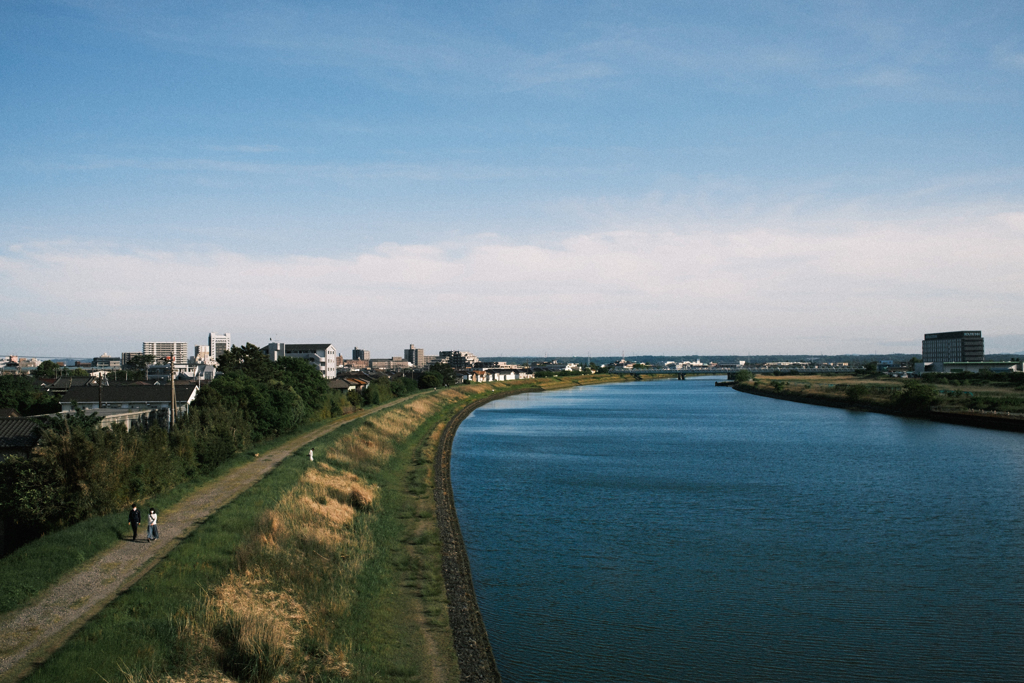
(219, 343)
(160, 350)
(418, 357)
(962, 347)
(360, 354)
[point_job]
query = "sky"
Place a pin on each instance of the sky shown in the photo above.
(511, 178)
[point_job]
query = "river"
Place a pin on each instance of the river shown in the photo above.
(678, 531)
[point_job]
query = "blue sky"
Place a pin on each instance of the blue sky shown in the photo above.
(535, 178)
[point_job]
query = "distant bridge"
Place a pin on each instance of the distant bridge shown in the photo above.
(732, 370)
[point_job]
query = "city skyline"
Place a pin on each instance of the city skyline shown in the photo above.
(524, 179)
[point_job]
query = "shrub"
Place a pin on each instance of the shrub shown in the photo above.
(856, 392)
(916, 398)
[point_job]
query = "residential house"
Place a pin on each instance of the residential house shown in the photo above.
(130, 404)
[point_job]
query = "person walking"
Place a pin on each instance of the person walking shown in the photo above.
(151, 532)
(134, 518)
(311, 455)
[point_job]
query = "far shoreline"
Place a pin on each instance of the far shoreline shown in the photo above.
(979, 419)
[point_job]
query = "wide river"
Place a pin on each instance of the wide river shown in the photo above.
(678, 531)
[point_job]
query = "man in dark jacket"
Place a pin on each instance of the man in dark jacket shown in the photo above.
(134, 517)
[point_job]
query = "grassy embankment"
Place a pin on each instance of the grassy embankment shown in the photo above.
(319, 572)
(940, 399)
(38, 565)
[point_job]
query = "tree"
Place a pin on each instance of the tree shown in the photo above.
(249, 359)
(744, 376)
(917, 398)
(430, 380)
(47, 369)
(870, 368)
(140, 362)
(21, 393)
(856, 392)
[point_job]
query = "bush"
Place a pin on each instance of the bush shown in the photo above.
(916, 398)
(856, 392)
(430, 380)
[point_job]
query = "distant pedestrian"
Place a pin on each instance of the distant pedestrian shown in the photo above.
(151, 532)
(311, 455)
(134, 518)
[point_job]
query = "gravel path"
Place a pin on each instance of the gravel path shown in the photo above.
(29, 635)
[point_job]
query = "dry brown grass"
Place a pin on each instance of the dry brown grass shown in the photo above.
(288, 587)
(259, 612)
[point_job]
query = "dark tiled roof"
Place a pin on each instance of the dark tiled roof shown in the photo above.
(17, 432)
(68, 382)
(130, 393)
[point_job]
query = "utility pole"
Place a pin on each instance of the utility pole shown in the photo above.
(174, 400)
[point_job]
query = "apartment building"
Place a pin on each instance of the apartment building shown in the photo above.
(159, 350)
(324, 357)
(418, 357)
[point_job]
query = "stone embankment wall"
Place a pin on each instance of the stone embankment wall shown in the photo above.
(476, 660)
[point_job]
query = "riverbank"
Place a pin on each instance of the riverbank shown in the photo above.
(876, 396)
(369, 584)
(670, 531)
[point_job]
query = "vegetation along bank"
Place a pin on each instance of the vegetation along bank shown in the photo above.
(321, 571)
(987, 400)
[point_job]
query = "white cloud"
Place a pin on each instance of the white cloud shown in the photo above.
(739, 289)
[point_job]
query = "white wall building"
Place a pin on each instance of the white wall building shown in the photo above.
(324, 357)
(160, 350)
(219, 343)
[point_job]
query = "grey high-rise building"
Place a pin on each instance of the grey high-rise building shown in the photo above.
(418, 357)
(962, 347)
(360, 354)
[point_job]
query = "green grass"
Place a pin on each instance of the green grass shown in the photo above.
(382, 623)
(136, 634)
(135, 637)
(36, 566)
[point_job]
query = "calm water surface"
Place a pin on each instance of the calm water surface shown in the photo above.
(671, 531)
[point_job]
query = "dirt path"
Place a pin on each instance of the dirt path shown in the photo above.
(29, 635)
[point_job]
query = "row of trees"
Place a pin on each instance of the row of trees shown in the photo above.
(22, 393)
(79, 470)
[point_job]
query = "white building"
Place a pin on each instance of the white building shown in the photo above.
(324, 357)
(219, 343)
(160, 350)
(202, 354)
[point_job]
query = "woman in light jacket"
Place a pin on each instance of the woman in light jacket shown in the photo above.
(151, 533)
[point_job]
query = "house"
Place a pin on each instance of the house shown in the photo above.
(129, 404)
(348, 383)
(60, 385)
(18, 436)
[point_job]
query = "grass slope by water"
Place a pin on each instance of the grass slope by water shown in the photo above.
(979, 404)
(321, 572)
(36, 566)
